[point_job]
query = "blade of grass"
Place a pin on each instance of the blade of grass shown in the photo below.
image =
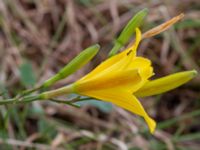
(172, 121)
(187, 137)
(187, 24)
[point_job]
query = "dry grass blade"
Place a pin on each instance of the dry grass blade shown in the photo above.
(27, 144)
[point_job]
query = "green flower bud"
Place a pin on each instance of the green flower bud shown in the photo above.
(79, 61)
(128, 31)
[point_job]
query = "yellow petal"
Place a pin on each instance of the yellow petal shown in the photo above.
(143, 65)
(116, 67)
(122, 99)
(128, 80)
(165, 84)
(107, 64)
(134, 46)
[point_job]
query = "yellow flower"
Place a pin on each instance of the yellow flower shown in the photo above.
(116, 79)
(124, 76)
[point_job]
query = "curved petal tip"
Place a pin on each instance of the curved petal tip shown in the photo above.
(151, 124)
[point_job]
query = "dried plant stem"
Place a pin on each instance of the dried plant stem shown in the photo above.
(162, 27)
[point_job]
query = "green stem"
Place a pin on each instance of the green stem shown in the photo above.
(46, 95)
(79, 100)
(7, 101)
(29, 99)
(42, 96)
(22, 100)
(64, 102)
(24, 93)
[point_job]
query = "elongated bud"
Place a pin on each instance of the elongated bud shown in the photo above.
(128, 31)
(165, 84)
(79, 61)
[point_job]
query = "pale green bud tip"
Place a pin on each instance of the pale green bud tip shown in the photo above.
(95, 47)
(194, 73)
(145, 10)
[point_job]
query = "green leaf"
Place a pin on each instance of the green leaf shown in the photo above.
(46, 129)
(3, 91)
(36, 111)
(27, 75)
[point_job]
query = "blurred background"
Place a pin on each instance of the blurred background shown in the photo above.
(39, 37)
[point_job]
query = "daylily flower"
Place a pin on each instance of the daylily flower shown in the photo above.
(121, 79)
(117, 79)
